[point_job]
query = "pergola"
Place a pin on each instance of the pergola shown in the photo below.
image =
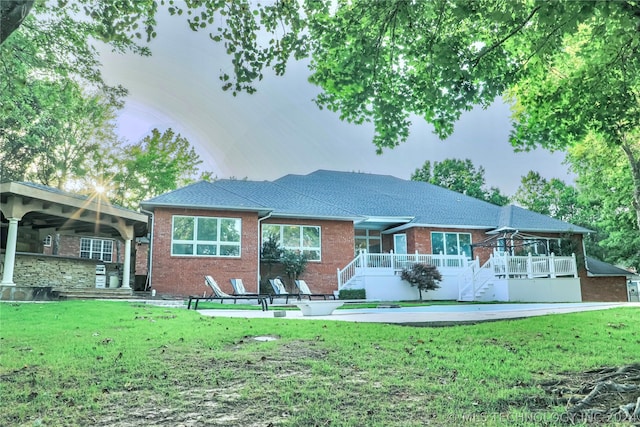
(48, 210)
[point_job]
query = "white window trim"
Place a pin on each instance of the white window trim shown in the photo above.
(301, 247)
(102, 251)
(444, 240)
(195, 241)
(47, 240)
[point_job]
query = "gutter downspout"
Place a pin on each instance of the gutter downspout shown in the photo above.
(150, 257)
(584, 256)
(260, 248)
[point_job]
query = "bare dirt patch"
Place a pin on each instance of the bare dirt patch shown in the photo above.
(209, 400)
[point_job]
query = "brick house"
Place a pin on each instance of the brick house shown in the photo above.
(358, 230)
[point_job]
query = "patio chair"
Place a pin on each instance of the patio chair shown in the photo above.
(218, 294)
(306, 292)
(240, 290)
(280, 291)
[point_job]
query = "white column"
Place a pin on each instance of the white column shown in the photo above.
(10, 253)
(126, 273)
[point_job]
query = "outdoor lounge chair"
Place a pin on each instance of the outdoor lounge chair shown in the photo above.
(280, 291)
(240, 290)
(306, 292)
(218, 294)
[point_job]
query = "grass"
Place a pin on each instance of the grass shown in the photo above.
(111, 363)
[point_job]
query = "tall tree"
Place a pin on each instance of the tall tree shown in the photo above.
(156, 164)
(54, 143)
(589, 89)
(12, 13)
(549, 197)
(460, 176)
(605, 184)
(55, 109)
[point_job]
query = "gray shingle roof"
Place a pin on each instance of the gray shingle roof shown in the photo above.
(332, 194)
(260, 196)
(525, 220)
(596, 267)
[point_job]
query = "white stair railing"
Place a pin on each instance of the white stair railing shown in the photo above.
(475, 278)
(349, 271)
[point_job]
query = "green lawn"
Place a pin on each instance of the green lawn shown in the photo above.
(108, 363)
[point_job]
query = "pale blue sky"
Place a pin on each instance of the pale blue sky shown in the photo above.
(279, 130)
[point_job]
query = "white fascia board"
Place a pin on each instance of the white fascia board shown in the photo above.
(387, 219)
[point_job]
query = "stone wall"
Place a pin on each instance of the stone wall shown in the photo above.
(57, 272)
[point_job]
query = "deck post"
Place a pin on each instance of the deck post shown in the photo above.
(530, 266)
(505, 260)
(552, 266)
(575, 265)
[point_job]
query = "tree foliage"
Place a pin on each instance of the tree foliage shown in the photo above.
(425, 277)
(460, 176)
(158, 163)
(605, 185)
(570, 67)
(549, 197)
(294, 263)
(56, 112)
(600, 201)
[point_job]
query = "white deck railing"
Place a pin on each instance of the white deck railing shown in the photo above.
(500, 266)
(475, 278)
(532, 266)
(396, 262)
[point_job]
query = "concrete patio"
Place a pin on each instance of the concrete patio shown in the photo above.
(432, 315)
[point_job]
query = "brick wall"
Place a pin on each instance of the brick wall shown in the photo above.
(338, 243)
(420, 239)
(69, 246)
(142, 258)
(603, 289)
(184, 275)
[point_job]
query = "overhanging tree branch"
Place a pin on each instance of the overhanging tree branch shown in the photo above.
(499, 43)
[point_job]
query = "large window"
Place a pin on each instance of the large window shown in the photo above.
(451, 243)
(368, 240)
(100, 249)
(302, 238)
(205, 236)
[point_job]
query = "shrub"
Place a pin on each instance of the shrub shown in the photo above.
(426, 277)
(294, 264)
(352, 294)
